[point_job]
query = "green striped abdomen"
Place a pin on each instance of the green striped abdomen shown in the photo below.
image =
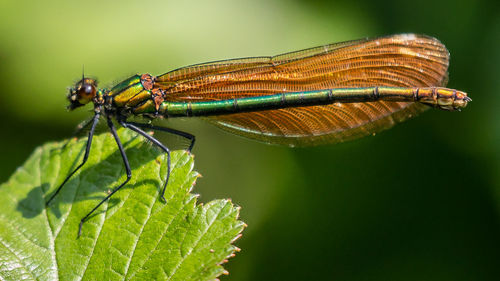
(443, 98)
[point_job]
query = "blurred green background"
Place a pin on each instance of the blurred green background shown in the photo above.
(418, 202)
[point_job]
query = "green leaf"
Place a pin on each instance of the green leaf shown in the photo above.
(133, 236)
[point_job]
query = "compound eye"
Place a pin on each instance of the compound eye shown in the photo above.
(86, 91)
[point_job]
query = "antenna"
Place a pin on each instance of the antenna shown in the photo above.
(83, 72)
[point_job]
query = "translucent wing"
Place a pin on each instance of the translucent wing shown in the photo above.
(405, 60)
(185, 75)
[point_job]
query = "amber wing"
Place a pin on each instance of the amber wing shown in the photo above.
(405, 60)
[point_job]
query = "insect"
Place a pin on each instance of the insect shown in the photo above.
(321, 95)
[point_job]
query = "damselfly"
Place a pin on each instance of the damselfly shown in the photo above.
(321, 95)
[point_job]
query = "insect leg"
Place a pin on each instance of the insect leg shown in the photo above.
(133, 127)
(95, 120)
(167, 130)
(127, 168)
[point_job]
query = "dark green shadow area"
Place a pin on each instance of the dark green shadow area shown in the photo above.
(396, 209)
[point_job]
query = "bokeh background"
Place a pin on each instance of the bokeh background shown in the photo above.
(418, 202)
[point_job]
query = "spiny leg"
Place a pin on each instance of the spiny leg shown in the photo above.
(133, 127)
(127, 168)
(95, 120)
(168, 130)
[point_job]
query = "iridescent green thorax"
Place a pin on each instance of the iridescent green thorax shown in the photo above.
(132, 93)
